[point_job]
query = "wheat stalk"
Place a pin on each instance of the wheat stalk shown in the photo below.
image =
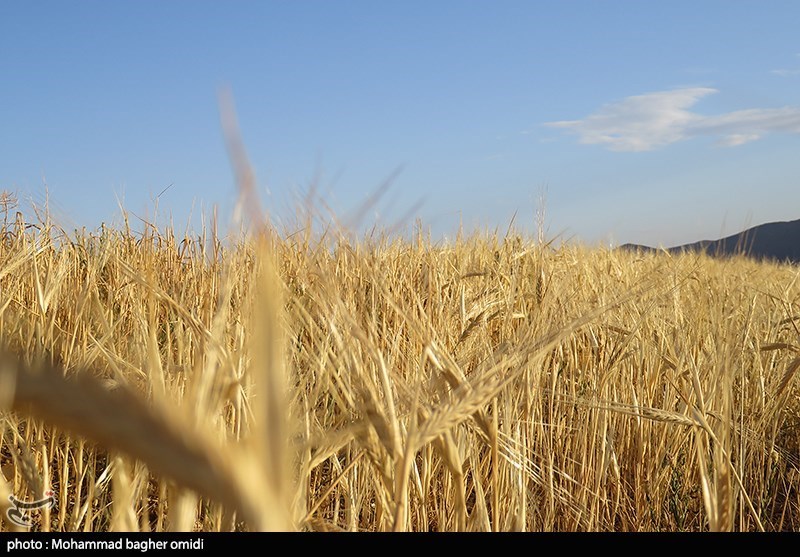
(120, 420)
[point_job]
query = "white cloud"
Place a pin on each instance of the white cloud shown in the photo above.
(786, 73)
(737, 139)
(653, 120)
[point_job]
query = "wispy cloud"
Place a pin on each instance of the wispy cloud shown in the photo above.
(737, 139)
(647, 122)
(785, 72)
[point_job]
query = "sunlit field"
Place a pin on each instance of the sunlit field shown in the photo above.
(312, 381)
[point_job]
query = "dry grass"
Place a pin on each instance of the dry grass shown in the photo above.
(157, 382)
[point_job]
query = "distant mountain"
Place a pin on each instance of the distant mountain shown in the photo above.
(775, 240)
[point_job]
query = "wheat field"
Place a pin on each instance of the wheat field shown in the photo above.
(154, 381)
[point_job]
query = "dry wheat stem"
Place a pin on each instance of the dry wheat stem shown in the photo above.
(119, 420)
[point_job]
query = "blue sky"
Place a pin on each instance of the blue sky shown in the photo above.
(656, 123)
